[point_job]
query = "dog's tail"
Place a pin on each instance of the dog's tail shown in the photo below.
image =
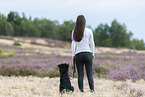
(74, 71)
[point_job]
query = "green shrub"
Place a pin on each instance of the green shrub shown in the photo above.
(104, 64)
(16, 43)
(1, 52)
(135, 59)
(11, 53)
(95, 54)
(118, 58)
(109, 57)
(53, 73)
(100, 75)
(28, 48)
(100, 71)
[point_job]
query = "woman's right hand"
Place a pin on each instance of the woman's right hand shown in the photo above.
(72, 57)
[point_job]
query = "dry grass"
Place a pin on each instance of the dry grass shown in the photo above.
(49, 87)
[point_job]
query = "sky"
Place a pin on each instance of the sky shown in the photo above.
(128, 12)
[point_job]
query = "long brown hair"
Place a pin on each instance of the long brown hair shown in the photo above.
(79, 28)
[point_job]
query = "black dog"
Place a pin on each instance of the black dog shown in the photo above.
(65, 84)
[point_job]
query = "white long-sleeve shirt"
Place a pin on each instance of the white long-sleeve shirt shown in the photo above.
(85, 45)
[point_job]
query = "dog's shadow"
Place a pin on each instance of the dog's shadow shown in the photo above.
(65, 84)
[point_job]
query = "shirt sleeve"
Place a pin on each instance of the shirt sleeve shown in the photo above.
(73, 46)
(92, 45)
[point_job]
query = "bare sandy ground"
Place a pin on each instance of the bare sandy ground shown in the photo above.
(45, 49)
(62, 51)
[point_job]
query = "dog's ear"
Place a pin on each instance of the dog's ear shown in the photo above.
(59, 65)
(67, 65)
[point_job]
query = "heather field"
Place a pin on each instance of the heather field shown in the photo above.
(28, 67)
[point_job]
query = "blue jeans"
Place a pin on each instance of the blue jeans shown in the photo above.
(81, 59)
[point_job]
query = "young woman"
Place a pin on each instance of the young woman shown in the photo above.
(83, 51)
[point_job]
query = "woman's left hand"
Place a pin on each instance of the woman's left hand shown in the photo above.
(93, 56)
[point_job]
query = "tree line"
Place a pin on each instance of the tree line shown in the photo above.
(115, 35)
